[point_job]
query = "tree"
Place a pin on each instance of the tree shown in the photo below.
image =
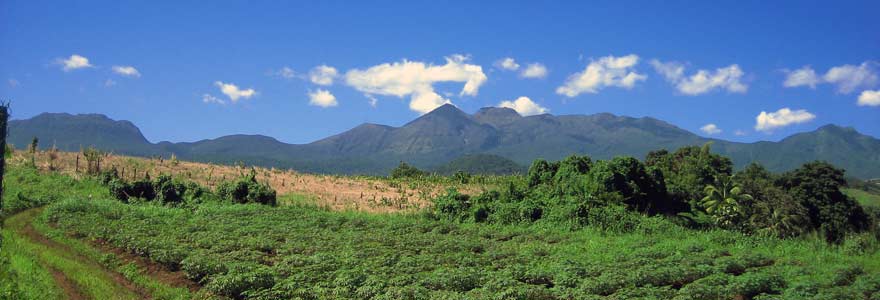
(4, 118)
(541, 172)
(687, 171)
(404, 170)
(722, 201)
(627, 176)
(32, 149)
(816, 185)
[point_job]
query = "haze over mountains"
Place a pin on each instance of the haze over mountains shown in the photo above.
(448, 133)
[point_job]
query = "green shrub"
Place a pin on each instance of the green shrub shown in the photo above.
(247, 190)
(404, 170)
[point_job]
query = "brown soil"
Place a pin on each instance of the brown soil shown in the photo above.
(150, 268)
(71, 291)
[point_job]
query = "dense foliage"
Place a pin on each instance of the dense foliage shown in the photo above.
(247, 190)
(691, 186)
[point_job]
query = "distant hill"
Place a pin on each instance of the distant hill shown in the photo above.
(484, 164)
(447, 133)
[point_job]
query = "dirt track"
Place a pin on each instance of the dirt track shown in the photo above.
(21, 225)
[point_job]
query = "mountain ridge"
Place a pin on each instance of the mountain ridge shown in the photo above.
(448, 133)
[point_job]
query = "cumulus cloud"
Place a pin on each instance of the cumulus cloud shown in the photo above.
(534, 70)
(126, 71)
(416, 79)
(322, 98)
(767, 122)
(869, 98)
(233, 92)
(524, 106)
(710, 129)
(740, 133)
(507, 63)
(208, 98)
(323, 75)
(74, 62)
(609, 71)
(804, 76)
(703, 81)
(848, 78)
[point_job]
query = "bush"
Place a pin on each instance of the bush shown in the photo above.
(247, 190)
(404, 170)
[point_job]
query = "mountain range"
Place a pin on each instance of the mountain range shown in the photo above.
(447, 133)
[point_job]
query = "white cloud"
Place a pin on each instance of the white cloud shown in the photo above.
(285, 72)
(507, 63)
(322, 98)
(672, 71)
(12, 82)
(109, 82)
(323, 75)
(703, 81)
(605, 72)
(208, 98)
(740, 133)
(767, 122)
(848, 78)
(233, 92)
(372, 100)
(524, 106)
(126, 71)
(74, 62)
(804, 76)
(710, 129)
(416, 79)
(535, 70)
(869, 98)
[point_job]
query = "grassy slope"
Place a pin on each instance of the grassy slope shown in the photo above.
(32, 264)
(308, 252)
(864, 198)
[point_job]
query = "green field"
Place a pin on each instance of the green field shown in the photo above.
(539, 236)
(278, 253)
(864, 198)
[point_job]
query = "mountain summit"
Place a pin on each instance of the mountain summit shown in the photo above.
(447, 133)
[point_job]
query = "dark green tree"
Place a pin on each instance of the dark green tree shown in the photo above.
(405, 170)
(687, 171)
(817, 186)
(32, 149)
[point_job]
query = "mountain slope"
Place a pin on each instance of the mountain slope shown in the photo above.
(72, 132)
(448, 133)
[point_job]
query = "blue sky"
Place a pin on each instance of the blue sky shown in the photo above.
(689, 63)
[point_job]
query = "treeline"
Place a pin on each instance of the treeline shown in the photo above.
(691, 187)
(168, 190)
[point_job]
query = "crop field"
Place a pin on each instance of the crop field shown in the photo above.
(310, 253)
(68, 235)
